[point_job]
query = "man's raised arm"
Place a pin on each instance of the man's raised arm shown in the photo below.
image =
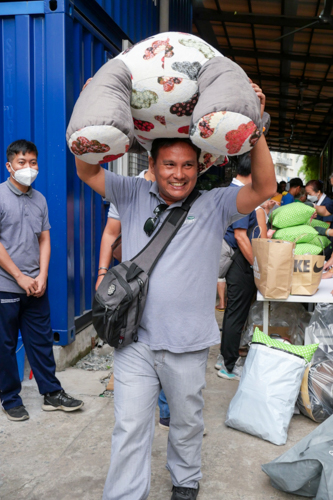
(93, 175)
(263, 184)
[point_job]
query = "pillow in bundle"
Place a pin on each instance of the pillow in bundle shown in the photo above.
(291, 215)
(318, 223)
(167, 86)
(321, 241)
(307, 248)
(265, 400)
(297, 234)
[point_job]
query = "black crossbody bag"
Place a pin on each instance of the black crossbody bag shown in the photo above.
(120, 298)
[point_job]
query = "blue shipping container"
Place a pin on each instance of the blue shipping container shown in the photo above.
(48, 50)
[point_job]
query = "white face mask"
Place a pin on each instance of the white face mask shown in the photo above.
(312, 198)
(25, 176)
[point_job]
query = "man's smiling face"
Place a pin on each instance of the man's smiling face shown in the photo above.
(176, 171)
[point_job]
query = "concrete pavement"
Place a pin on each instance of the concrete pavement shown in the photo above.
(65, 456)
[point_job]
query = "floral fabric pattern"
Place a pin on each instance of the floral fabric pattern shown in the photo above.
(82, 145)
(237, 137)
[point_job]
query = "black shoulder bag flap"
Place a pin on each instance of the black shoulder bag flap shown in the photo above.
(120, 298)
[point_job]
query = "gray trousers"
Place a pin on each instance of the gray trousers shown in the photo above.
(139, 374)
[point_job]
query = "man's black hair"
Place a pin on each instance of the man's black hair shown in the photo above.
(166, 143)
(296, 182)
(244, 165)
(20, 146)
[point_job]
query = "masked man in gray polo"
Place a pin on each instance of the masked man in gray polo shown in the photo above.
(178, 324)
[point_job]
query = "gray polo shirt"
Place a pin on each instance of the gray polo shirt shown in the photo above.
(179, 315)
(113, 212)
(23, 216)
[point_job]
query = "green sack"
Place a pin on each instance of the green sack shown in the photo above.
(297, 234)
(321, 241)
(318, 223)
(291, 215)
(305, 351)
(304, 248)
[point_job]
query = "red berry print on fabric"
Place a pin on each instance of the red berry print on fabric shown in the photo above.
(184, 108)
(207, 162)
(108, 158)
(169, 83)
(82, 145)
(205, 130)
(160, 119)
(144, 138)
(157, 47)
(236, 138)
(184, 130)
(142, 125)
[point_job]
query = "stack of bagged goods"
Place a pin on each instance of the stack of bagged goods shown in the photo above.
(265, 399)
(295, 223)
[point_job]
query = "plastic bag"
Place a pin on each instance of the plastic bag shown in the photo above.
(316, 395)
(315, 399)
(265, 399)
(320, 328)
(292, 316)
(306, 469)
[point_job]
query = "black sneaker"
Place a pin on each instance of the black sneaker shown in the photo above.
(181, 493)
(17, 413)
(59, 400)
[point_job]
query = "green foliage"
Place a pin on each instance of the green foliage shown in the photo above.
(206, 182)
(310, 168)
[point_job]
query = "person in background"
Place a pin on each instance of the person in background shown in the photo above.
(239, 278)
(221, 284)
(301, 197)
(283, 188)
(278, 195)
(314, 191)
(262, 214)
(295, 186)
(25, 250)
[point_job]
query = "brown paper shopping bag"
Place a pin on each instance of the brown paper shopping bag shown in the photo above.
(308, 270)
(273, 267)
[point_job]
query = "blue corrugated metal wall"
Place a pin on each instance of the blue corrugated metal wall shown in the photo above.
(48, 50)
(180, 15)
(139, 19)
(46, 57)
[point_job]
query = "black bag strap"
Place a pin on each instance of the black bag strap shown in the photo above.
(147, 259)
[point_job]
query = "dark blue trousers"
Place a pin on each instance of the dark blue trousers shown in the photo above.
(32, 317)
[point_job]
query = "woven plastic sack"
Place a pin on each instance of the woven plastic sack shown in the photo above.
(307, 248)
(291, 215)
(318, 223)
(265, 399)
(299, 234)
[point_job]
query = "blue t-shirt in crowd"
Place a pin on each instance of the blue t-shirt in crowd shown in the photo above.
(328, 203)
(287, 198)
(249, 221)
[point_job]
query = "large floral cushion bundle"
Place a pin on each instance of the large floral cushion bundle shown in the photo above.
(169, 85)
